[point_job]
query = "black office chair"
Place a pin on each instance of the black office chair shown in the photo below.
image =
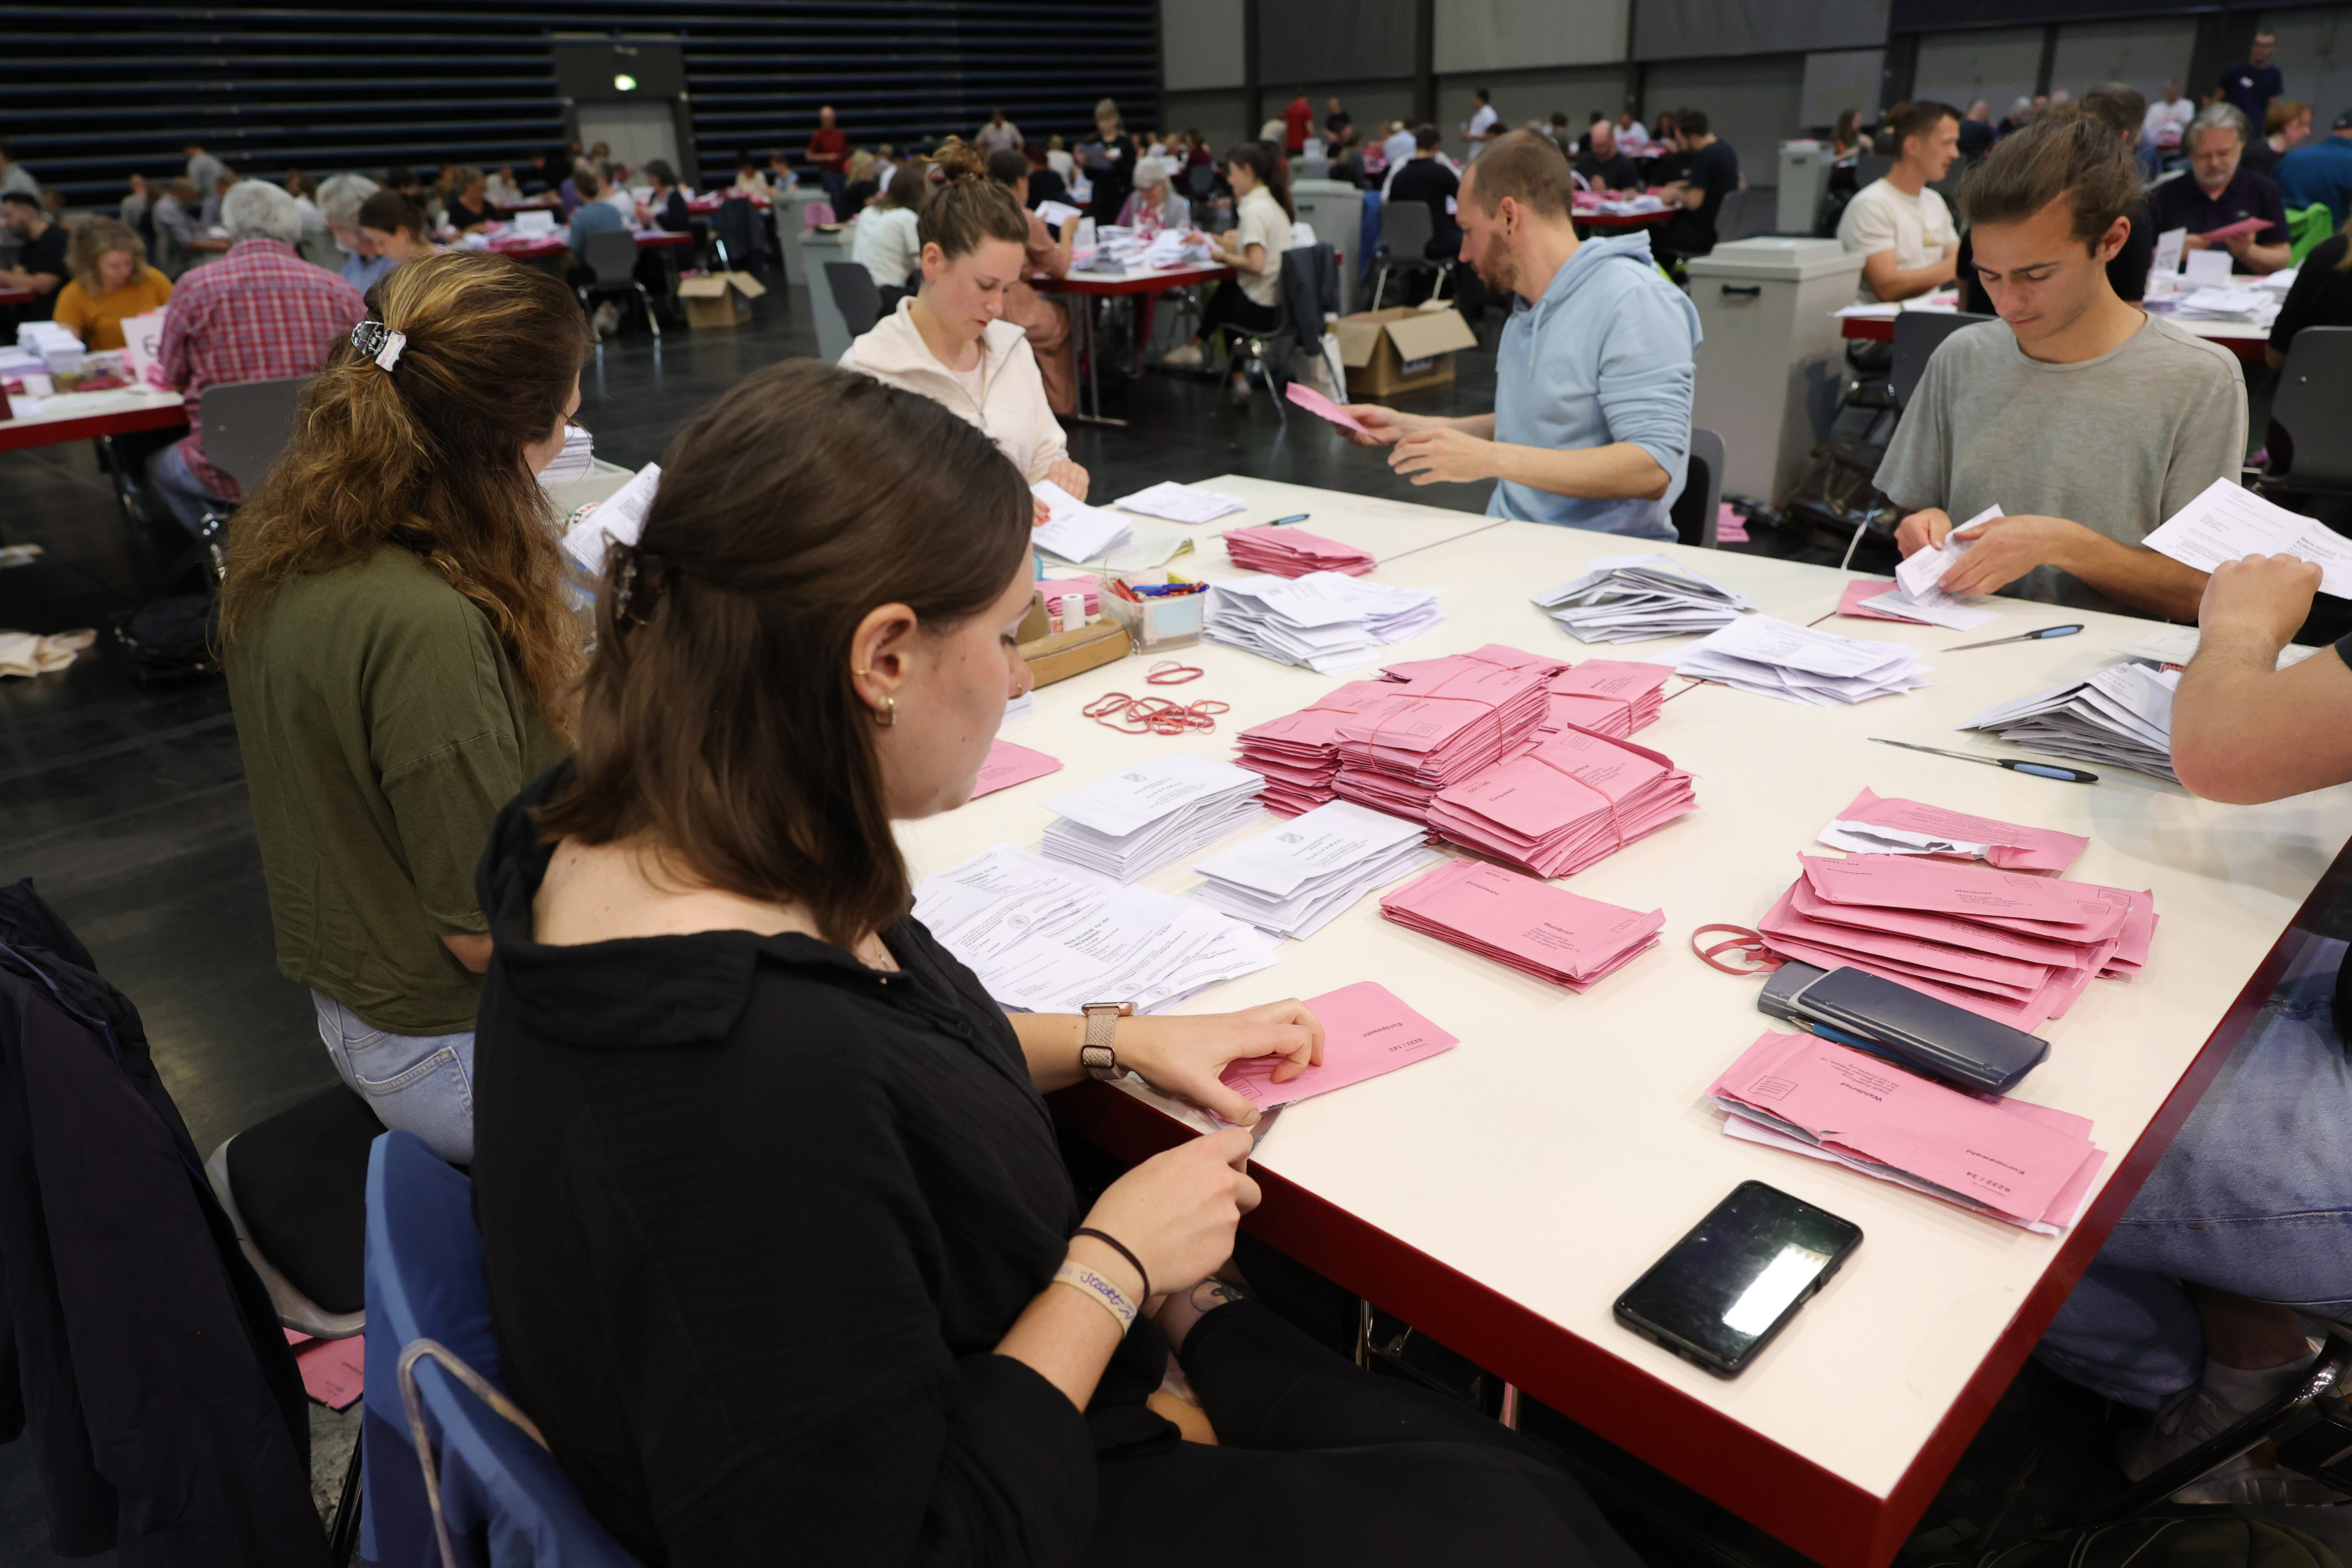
(1731, 216)
(1406, 229)
(1310, 288)
(1917, 335)
(247, 424)
(854, 296)
(2315, 390)
(1697, 508)
(295, 1189)
(611, 255)
(736, 234)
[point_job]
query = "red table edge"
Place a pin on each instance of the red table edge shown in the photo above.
(19, 434)
(1881, 330)
(1822, 1515)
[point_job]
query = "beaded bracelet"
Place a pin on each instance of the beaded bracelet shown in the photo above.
(1099, 1290)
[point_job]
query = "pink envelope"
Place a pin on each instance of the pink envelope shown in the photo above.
(1940, 887)
(1949, 928)
(2012, 976)
(1366, 1032)
(1855, 1103)
(1519, 921)
(2231, 231)
(1315, 403)
(1862, 588)
(1009, 764)
(2014, 849)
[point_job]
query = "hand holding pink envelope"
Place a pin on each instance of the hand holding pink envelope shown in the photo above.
(1366, 1032)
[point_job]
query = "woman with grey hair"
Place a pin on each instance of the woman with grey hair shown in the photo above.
(340, 200)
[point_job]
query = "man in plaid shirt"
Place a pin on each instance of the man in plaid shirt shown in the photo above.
(259, 313)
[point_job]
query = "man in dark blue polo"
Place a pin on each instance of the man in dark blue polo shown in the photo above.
(2217, 192)
(2253, 82)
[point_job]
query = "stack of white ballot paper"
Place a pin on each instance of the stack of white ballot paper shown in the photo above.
(2123, 715)
(1294, 878)
(1050, 939)
(1129, 824)
(2226, 521)
(1801, 664)
(1074, 531)
(1327, 621)
(1919, 595)
(1181, 503)
(1636, 598)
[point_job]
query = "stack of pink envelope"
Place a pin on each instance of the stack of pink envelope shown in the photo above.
(1610, 697)
(1299, 752)
(1562, 802)
(2026, 1164)
(2012, 946)
(1876, 823)
(1538, 929)
(1457, 715)
(1291, 552)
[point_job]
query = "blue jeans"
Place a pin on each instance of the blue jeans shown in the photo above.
(2254, 1196)
(421, 1082)
(187, 496)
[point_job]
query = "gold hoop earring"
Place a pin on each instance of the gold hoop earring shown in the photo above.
(887, 715)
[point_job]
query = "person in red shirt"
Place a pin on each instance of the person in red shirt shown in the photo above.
(1298, 123)
(828, 152)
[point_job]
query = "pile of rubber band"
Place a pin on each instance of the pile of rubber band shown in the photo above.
(1150, 715)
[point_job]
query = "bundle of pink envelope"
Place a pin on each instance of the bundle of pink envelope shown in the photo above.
(1610, 697)
(1537, 929)
(1299, 752)
(2012, 946)
(1291, 552)
(2026, 1164)
(1563, 801)
(1457, 716)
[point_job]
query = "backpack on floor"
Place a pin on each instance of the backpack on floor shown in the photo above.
(2202, 1539)
(168, 640)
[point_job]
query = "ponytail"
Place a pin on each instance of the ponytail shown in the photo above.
(966, 208)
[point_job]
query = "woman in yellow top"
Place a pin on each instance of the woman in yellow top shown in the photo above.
(111, 282)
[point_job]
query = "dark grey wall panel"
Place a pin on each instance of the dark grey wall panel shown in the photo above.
(1331, 40)
(1683, 29)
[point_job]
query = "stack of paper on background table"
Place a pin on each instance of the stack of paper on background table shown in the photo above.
(1634, 598)
(2026, 1164)
(1293, 878)
(1607, 696)
(1532, 926)
(1875, 825)
(1181, 503)
(1565, 801)
(2012, 946)
(1074, 531)
(1049, 938)
(2122, 715)
(1128, 824)
(1451, 718)
(1291, 552)
(1801, 664)
(1366, 1032)
(1329, 623)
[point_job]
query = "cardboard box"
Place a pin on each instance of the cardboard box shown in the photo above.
(1062, 655)
(1400, 348)
(718, 298)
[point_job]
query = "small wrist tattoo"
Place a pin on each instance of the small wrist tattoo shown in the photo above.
(1213, 1292)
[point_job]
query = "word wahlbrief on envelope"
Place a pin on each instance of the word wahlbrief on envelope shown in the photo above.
(2026, 1164)
(1366, 1032)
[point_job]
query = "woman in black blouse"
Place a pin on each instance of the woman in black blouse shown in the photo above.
(781, 1249)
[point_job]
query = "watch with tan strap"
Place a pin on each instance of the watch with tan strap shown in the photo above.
(1097, 1055)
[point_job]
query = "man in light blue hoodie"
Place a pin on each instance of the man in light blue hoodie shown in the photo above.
(1594, 377)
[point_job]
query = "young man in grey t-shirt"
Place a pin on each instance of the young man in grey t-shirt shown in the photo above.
(2086, 421)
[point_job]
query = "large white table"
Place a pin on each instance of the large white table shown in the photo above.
(1500, 1197)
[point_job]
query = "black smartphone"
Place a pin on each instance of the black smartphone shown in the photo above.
(1725, 1289)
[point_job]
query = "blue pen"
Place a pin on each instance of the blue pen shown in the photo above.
(1278, 522)
(2067, 631)
(2039, 770)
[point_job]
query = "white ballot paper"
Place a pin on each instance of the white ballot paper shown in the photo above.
(1056, 213)
(618, 518)
(2122, 715)
(1297, 877)
(1128, 822)
(1045, 938)
(2177, 645)
(1074, 531)
(2168, 248)
(1801, 664)
(1181, 503)
(1877, 838)
(1330, 621)
(1920, 571)
(2226, 521)
(2211, 265)
(1636, 598)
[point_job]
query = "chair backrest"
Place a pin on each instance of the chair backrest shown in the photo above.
(853, 295)
(611, 255)
(2313, 406)
(1696, 508)
(504, 1497)
(1871, 166)
(247, 424)
(1200, 179)
(1406, 229)
(1917, 335)
(1731, 216)
(738, 230)
(1310, 286)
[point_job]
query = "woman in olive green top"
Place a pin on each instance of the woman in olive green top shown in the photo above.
(398, 649)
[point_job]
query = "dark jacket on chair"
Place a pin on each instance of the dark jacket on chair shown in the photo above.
(170, 1424)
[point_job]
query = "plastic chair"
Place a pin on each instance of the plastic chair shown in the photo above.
(1696, 510)
(611, 255)
(854, 296)
(2308, 414)
(491, 1494)
(1917, 335)
(1406, 229)
(1731, 216)
(247, 425)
